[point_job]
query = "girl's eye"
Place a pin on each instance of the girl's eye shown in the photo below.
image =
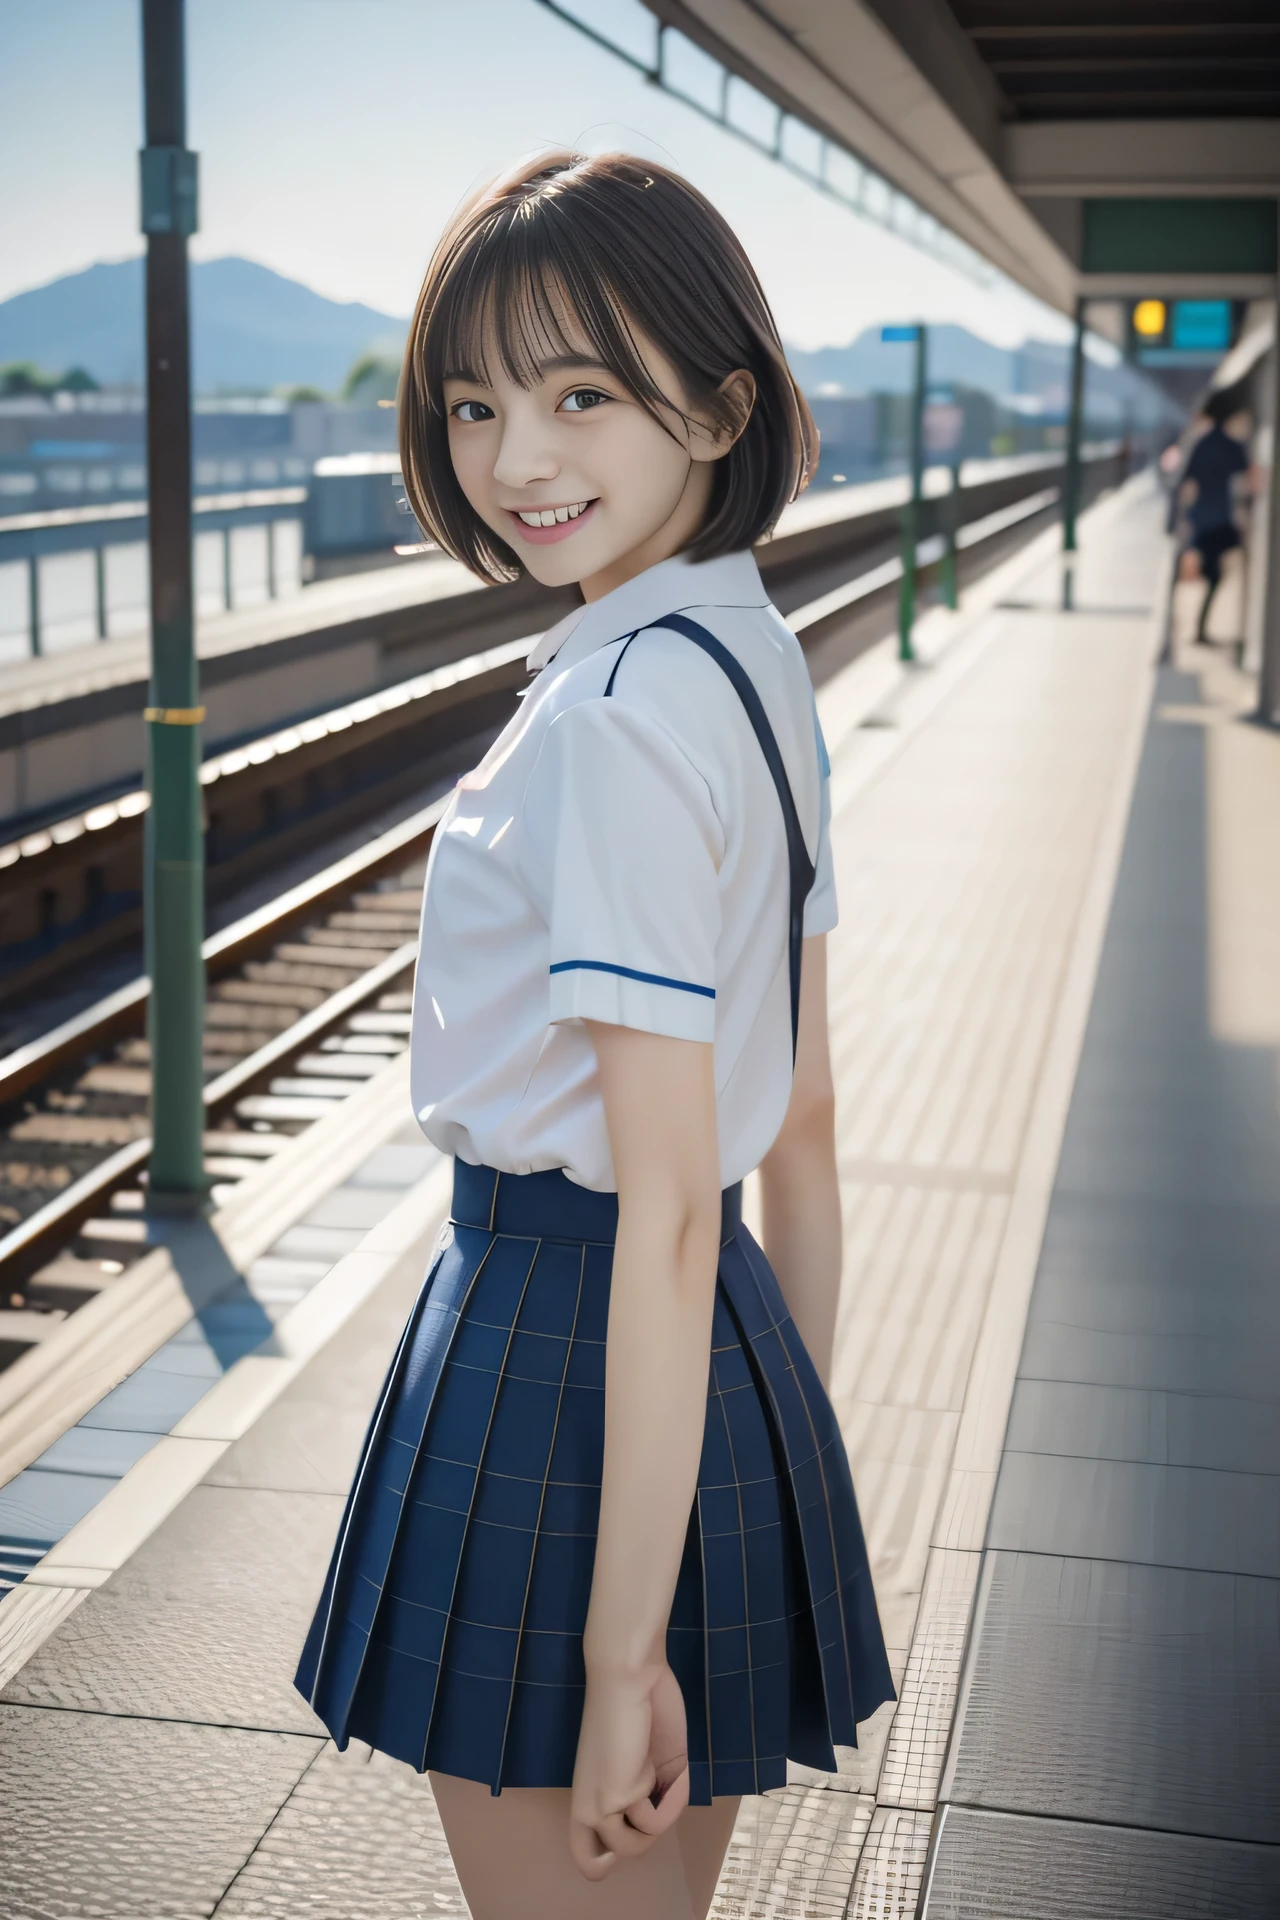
(583, 398)
(471, 411)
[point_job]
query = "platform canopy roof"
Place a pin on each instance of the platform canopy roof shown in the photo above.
(1085, 147)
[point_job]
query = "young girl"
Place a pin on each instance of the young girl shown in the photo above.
(601, 1570)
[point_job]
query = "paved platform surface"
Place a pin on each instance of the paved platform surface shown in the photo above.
(1115, 1748)
(1121, 1704)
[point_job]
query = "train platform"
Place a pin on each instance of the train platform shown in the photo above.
(71, 724)
(1056, 1028)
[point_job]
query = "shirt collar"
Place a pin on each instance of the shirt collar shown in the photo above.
(731, 581)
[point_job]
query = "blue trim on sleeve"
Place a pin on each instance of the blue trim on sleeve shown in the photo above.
(631, 973)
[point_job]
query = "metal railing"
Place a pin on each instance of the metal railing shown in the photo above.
(32, 544)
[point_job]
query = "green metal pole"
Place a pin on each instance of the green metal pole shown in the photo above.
(33, 605)
(174, 890)
(911, 512)
(1071, 478)
(950, 591)
(100, 591)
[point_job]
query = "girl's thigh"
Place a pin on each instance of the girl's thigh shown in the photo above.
(512, 1858)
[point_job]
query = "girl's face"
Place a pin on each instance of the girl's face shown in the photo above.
(574, 474)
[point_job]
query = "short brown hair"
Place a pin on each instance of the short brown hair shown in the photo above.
(626, 247)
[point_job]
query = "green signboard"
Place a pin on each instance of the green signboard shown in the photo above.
(1179, 236)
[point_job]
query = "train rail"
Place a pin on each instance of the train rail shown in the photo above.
(308, 999)
(267, 800)
(308, 996)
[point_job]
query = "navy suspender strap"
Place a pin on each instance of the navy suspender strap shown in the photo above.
(801, 866)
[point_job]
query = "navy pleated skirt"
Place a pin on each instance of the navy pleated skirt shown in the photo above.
(449, 1630)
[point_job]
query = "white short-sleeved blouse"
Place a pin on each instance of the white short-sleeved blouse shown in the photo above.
(623, 860)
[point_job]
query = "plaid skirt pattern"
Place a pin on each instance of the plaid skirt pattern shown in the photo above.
(449, 1630)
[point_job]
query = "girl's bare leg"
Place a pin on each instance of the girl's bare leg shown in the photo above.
(512, 1857)
(704, 1833)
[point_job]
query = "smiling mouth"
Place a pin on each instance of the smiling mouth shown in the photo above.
(541, 525)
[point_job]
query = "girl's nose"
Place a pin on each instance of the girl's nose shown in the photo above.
(526, 452)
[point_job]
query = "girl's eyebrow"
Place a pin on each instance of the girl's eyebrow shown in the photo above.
(559, 363)
(566, 362)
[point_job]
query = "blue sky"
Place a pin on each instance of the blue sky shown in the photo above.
(336, 136)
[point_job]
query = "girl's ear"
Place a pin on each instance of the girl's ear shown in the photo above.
(709, 441)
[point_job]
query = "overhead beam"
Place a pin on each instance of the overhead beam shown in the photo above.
(938, 47)
(1188, 61)
(1177, 286)
(1120, 158)
(1094, 104)
(1149, 30)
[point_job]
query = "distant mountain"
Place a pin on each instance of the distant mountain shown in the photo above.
(251, 328)
(871, 365)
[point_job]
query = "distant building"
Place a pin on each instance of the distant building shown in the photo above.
(284, 493)
(90, 449)
(851, 432)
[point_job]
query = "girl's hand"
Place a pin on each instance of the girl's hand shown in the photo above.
(631, 1780)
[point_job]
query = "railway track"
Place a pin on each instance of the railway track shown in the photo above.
(73, 889)
(308, 997)
(307, 1000)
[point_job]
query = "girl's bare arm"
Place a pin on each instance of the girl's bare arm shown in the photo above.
(799, 1188)
(659, 1101)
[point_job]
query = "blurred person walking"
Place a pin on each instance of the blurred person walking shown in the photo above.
(1207, 495)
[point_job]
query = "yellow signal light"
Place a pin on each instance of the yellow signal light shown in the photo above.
(1149, 318)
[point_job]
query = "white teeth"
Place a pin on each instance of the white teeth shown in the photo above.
(552, 516)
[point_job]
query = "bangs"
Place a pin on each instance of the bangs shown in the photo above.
(526, 298)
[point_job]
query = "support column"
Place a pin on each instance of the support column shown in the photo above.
(911, 512)
(1268, 711)
(174, 893)
(33, 604)
(950, 583)
(100, 590)
(1071, 477)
